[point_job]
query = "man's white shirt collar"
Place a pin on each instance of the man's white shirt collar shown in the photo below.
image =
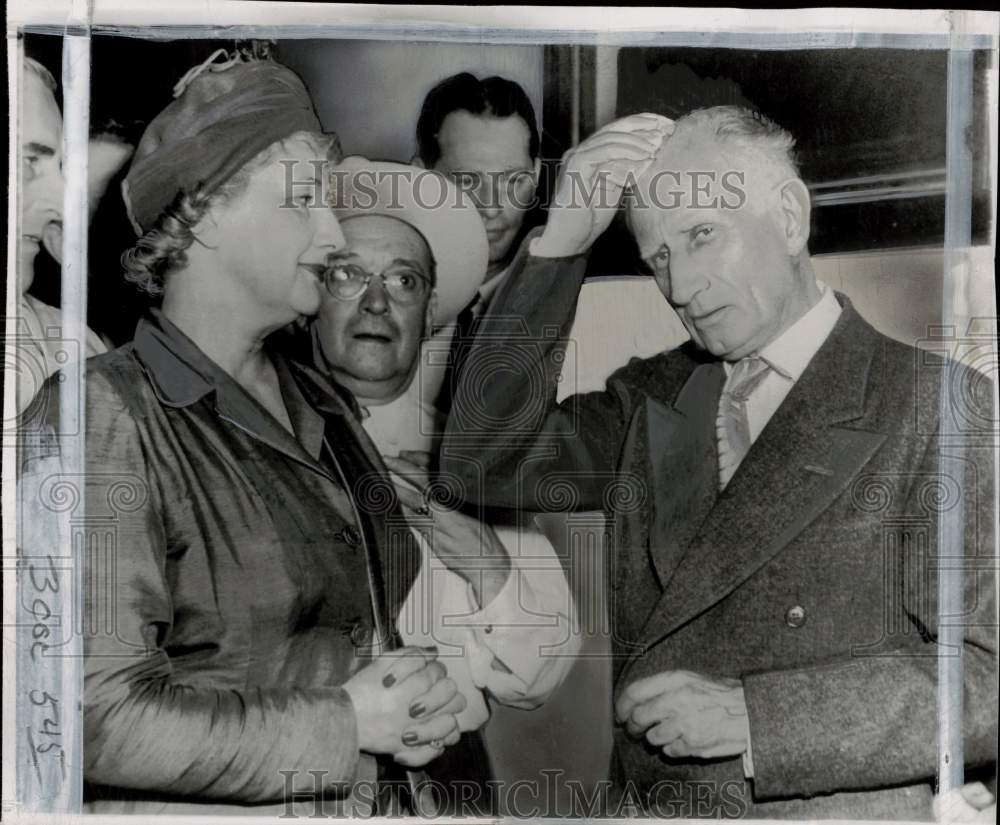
(790, 353)
(788, 356)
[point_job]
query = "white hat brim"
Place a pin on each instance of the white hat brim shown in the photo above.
(432, 205)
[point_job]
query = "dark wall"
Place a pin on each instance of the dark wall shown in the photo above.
(131, 81)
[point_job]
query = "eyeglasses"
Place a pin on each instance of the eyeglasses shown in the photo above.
(347, 282)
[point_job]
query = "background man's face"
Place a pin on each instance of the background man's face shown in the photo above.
(371, 344)
(727, 271)
(42, 192)
(489, 157)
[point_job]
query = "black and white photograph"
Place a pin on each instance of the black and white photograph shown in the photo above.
(500, 412)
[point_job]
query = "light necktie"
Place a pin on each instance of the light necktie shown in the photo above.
(732, 425)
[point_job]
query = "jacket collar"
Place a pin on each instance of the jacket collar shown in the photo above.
(180, 372)
(182, 375)
(818, 440)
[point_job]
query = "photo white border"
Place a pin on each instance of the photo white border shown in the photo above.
(710, 27)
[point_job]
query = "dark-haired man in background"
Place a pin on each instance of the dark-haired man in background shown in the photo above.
(483, 134)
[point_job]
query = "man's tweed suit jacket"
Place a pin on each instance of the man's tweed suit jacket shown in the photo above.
(813, 577)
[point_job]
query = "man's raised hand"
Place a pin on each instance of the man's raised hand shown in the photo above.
(592, 178)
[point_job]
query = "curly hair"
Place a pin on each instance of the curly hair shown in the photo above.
(164, 247)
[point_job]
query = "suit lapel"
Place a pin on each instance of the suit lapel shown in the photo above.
(801, 462)
(682, 465)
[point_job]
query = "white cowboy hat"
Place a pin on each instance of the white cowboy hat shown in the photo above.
(432, 205)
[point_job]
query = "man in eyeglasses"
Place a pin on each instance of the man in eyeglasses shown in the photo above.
(379, 302)
(414, 256)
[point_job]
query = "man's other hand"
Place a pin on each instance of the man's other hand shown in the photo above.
(687, 714)
(466, 545)
(592, 179)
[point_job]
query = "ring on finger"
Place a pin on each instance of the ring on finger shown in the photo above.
(425, 506)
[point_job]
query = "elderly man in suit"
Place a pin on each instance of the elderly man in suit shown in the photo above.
(775, 488)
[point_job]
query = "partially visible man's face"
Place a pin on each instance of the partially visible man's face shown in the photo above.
(490, 157)
(42, 193)
(371, 343)
(727, 271)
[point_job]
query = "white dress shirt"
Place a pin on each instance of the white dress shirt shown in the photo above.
(788, 355)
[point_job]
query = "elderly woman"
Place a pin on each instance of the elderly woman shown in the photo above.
(236, 626)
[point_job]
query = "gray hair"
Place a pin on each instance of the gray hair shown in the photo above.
(753, 133)
(38, 70)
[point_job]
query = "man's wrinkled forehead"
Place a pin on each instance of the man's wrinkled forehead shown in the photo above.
(672, 184)
(472, 143)
(693, 176)
(385, 234)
